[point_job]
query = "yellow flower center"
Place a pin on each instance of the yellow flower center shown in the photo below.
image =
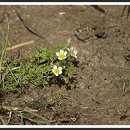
(57, 71)
(61, 56)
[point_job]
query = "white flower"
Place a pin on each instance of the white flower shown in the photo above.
(61, 55)
(57, 70)
(72, 52)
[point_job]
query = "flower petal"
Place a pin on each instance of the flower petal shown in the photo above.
(57, 53)
(75, 56)
(60, 68)
(60, 72)
(65, 57)
(53, 70)
(59, 58)
(56, 74)
(54, 67)
(75, 52)
(61, 51)
(65, 52)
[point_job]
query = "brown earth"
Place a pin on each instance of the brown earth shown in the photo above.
(101, 95)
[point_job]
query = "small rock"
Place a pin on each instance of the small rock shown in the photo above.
(62, 13)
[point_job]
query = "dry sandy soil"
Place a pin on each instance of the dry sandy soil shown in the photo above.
(101, 95)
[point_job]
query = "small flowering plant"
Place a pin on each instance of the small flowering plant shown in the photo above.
(64, 59)
(44, 67)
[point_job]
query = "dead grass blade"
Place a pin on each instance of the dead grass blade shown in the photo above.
(3, 121)
(19, 45)
(10, 115)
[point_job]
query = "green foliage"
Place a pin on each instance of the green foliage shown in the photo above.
(38, 69)
(70, 70)
(51, 102)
